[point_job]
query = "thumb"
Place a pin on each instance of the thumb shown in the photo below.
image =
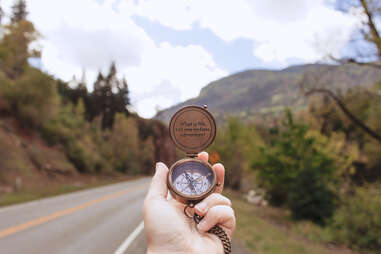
(158, 188)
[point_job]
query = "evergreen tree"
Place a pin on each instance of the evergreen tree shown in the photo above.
(1, 15)
(19, 11)
(107, 98)
(123, 94)
(110, 96)
(95, 105)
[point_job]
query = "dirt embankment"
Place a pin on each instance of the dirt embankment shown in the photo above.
(26, 160)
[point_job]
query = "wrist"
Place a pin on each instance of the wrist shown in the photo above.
(214, 245)
(169, 250)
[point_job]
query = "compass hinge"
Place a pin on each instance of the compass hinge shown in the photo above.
(192, 155)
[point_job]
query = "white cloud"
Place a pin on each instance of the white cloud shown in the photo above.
(283, 30)
(88, 34)
(285, 11)
(95, 48)
(176, 72)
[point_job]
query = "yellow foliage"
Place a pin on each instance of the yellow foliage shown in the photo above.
(33, 97)
(122, 146)
(336, 147)
(15, 48)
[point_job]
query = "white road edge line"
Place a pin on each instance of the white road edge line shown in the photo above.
(123, 247)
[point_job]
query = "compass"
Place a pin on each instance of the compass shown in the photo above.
(190, 180)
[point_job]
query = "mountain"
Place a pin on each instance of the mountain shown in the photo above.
(251, 93)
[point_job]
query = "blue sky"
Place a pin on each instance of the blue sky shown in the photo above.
(233, 56)
(169, 49)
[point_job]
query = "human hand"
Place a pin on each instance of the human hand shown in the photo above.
(168, 230)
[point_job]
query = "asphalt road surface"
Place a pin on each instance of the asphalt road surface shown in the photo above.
(105, 220)
(97, 221)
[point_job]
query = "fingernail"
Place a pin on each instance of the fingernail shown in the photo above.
(201, 207)
(157, 166)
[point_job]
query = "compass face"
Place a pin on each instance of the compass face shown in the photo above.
(192, 178)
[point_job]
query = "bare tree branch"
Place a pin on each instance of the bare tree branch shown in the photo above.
(354, 61)
(341, 105)
(375, 36)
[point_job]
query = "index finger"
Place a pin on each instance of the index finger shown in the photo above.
(218, 168)
(220, 173)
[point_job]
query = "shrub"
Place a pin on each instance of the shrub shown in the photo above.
(235, 144)
(147, 156)
(83, 159)
(123, 145)
(69, 129)
(67, 125)
(4, 88)
(298, 174)
(358, 221)
(33, 97)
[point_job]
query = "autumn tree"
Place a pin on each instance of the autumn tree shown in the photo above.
(19, 11)
(15, 46)
(1, 15)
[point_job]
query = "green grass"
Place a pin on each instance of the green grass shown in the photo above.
(270, 236)
(24, 195)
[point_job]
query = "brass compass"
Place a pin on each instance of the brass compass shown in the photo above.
(190, 180)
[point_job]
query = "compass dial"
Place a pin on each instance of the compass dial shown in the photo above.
(192, 178)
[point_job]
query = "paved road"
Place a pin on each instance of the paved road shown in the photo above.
(91, 221)
(97, 221)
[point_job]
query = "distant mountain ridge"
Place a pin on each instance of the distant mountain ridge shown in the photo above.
(251, 93)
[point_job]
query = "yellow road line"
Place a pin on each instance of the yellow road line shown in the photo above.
(56, 215)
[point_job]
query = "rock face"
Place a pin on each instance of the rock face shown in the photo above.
(258, 92)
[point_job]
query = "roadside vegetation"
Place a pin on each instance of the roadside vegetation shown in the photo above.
(53, 133)
(319, 172)
(319, 168)
(271, 230)
(316, 167)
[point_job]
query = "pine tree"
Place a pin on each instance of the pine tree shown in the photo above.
(19, 11)
(1, 15)
(110, 96)
(107, 98)
(95, 105)
(123, 93)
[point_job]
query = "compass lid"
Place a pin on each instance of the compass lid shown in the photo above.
(192, 129)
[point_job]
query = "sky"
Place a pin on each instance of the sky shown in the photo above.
(169, 49)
